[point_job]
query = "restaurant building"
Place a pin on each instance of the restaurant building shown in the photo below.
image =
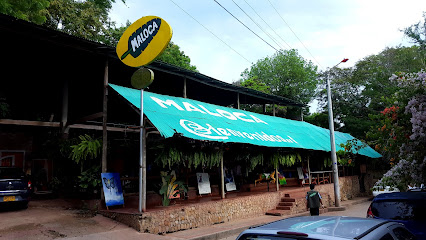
(231, 163)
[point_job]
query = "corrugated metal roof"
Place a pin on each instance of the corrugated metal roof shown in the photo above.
(204, 121)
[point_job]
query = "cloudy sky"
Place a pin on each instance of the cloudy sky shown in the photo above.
(323, 32)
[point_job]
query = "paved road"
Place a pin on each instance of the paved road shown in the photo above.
(358, 210)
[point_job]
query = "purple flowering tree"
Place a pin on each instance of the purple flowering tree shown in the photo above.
(410, 169)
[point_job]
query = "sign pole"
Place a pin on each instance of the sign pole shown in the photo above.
(139, 45)
(142, 163)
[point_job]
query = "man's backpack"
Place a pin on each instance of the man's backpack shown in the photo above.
(313, 199)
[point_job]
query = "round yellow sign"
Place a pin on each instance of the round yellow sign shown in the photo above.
(143, 41)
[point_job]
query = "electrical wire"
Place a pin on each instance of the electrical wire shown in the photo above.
(211, 32)
(268, 25)
(245, 25)
(273, 39)
(294, 33)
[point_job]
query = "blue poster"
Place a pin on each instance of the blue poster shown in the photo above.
(112, 189)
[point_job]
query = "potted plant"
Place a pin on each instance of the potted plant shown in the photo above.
(170, 188)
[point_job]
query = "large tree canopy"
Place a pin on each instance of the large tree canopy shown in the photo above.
(87, 19)
(286, 74)
(29, 10)
(365, 89)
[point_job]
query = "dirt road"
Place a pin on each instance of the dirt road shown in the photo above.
(51, 219)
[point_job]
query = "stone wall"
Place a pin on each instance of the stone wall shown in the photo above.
(176, 218)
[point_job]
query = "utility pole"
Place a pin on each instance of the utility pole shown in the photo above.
(332, 141)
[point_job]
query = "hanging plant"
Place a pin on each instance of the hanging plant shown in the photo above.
(172, 156)
(86, 148)
(255, 160)
(288, 159)
(327, 162)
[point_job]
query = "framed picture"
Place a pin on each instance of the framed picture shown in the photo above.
(112, 189)
(203, 183)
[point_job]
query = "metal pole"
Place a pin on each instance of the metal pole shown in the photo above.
(142, 163)
(332, 142)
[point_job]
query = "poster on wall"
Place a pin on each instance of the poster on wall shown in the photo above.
(229, 182)
(230, 186)
(203, 183)
(112, 189)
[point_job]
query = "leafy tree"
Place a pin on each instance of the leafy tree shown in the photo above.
(366, 89)
(287, 74)
(389, 132)
(373, 72)
(86, 19)
(417, 34)
(256, 84)
(173, 55)
(29, 10)
(319, 119)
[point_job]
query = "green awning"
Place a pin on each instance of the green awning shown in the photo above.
(204, 121)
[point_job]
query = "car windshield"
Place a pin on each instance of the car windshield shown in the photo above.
(11, 173)
(400, 210)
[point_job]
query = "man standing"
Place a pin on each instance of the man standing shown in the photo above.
(313, 201)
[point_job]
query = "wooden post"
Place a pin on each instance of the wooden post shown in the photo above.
(309, 172)
(184, 88)
(277, 179)
(273, 110)
(64, 117)
(238, 100)
(264, 108)
(104, 124)
(222, 179)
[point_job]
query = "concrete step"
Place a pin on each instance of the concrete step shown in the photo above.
(288, 199)
(283, 208)
(285, 204)
(276, 212)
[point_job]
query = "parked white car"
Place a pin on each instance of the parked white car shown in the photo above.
(379, 190)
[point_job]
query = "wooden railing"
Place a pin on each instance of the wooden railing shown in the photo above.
(320, 177)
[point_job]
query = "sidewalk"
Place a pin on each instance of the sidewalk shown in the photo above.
(235, 227)
(213, 232)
